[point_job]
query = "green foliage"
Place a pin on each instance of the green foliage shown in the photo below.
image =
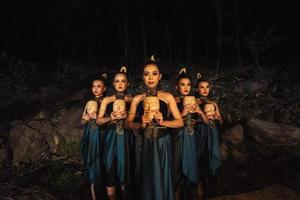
(60, 178)
(70, 149)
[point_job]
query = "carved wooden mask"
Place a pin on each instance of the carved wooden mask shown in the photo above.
(189, 100)
(151, 104)
(119, 105)
(209, 110)
(91, 107)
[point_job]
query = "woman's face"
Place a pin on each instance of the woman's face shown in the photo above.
(120, 82)
(203, 88)
(98, 88)
(184, 86)
(151, 75)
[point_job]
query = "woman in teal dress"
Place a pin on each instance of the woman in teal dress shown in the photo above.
(113, 112)
(208, 141)
(186, 156)
(91, 145)
(156, 115)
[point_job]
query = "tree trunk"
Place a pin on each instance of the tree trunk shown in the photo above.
(237, 32)
(218, 4)
(143, 32)
(126, 34)
(189, 59)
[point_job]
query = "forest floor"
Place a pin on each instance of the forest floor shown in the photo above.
(63, 178)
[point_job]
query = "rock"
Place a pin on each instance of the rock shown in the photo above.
(273, 192)
(42, 115)
(32, 140)
(3, 152)
(285, 117)
(238, 156)
(68, 123)
(268, 132)
(250, 87)
(223, 151)
(234, 135)
(297, 121)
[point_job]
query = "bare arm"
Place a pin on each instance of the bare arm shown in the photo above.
(132, 112)
(218, 114)
(84, 117)
(101, 119)
(177, 122)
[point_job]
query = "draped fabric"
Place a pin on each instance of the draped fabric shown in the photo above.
(117, 154)
(90, 148)
(208, 147)
(117, 150)
(156, 172)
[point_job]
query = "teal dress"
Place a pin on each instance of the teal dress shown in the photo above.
(186, 154)
(91, 148)
(117, 153)
(156, 181)
(208, 148)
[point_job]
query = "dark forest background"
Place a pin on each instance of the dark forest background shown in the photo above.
(119, 31)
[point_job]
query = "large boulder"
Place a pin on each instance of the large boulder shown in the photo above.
(234, 135)
(269, 193)
(3, 150)
(250, 87)
(32, 140)
(223, 151)
(268, 132)
(68, 123)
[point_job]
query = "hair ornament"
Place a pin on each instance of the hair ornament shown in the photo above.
(199, 75)
(104, 75)
(152, 58)
(182, 70)
(123, 69)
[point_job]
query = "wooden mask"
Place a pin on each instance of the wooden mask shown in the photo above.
(119, 105)
(189, 100)
(151, 104)
(209, 110)
(91, 107)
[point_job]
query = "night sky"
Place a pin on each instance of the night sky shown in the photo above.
(113, 31)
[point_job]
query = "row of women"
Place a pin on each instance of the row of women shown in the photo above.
(152, 146)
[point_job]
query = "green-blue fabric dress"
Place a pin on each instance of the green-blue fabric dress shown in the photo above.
(186, 154)
(117, 153)
(91, 148)
(156, 179)
(208, 146)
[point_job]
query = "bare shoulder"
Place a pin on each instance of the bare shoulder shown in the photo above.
(138, 98)
(108, 99)
(166, 95)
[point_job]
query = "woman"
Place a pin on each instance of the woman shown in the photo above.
(91, 145)
(154, 120)
(113, 112)
(209, 135)
(185, 152)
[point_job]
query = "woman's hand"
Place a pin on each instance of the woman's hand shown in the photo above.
(92, 116)
(85, 118)
(122, 115)
(217, 117)
(145, 120)
(159, 117)
(186, 109)
(113, 116)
